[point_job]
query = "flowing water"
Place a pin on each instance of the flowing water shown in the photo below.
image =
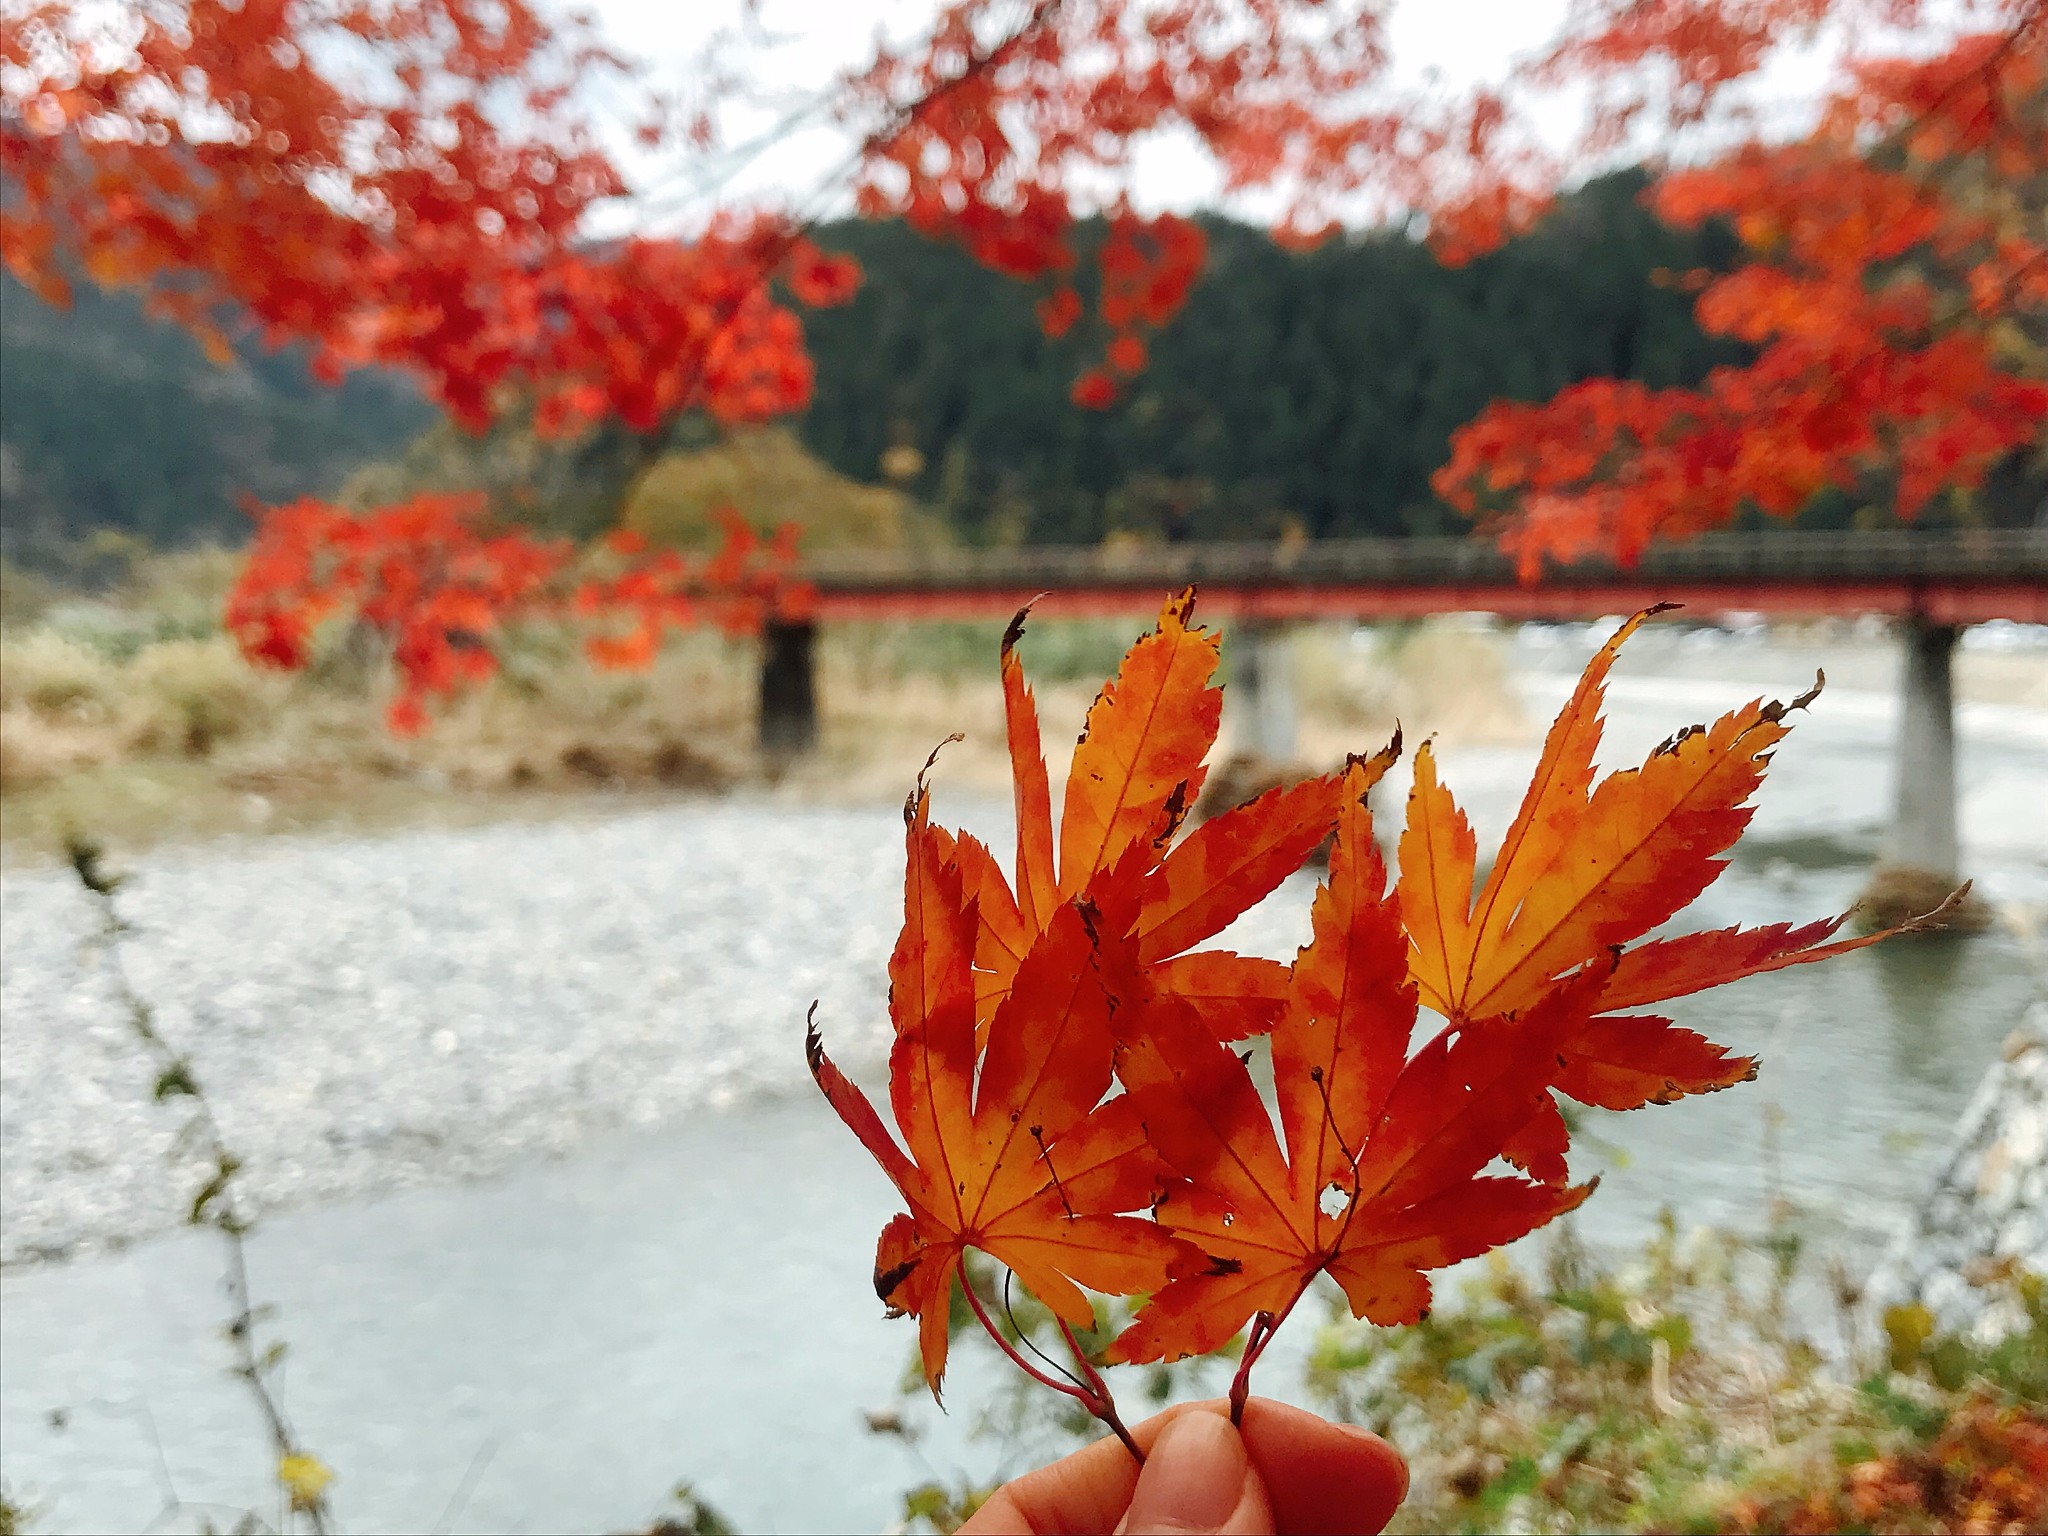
(559, 1221)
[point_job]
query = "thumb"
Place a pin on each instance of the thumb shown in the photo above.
(1198, 1477)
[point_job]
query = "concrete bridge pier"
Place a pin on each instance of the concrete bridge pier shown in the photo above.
(1923, 832)
(1922, 859)
(1261, 693)
(789, 693)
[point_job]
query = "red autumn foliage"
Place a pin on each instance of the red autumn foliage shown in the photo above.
(438, 585)
(1021, 1001)
(1986, 1471)
(1895, 265)
(411, 184)
(1095, 390)
(239, 162)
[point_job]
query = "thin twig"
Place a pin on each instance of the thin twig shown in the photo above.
(215, 1205)
(1024, 1337)
(467, 1486)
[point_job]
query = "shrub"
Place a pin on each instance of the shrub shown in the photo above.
(192, 695)
(55, 676)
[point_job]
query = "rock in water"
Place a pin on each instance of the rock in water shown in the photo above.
(1986, 1217)
(1899, 893)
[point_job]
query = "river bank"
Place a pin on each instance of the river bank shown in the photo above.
(546, 1187)
(380, 1011)
(141, 723)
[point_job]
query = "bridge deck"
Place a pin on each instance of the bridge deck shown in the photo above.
(1947, 576)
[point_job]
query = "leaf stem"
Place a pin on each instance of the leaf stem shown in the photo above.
(1093, 1396)
(1264, 1326)
(1241, 1383)
(1106, 1405)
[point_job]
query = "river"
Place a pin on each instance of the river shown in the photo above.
(558, 1222)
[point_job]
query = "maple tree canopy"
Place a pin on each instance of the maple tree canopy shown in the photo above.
(1895, 295)
(410, 183)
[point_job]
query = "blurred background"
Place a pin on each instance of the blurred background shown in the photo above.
(497, 504)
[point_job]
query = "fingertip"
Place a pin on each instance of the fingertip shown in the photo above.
(1323, 1477)
(1199, 1477)
(1372, 1447)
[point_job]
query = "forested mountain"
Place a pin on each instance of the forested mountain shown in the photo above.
(109, 419)
(1315, 388)
(1319, 388)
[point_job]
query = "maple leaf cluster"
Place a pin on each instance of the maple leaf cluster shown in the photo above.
(1068, 1078)
(1888, 296)
(428, 213)
(440, 585)
(1015, 122)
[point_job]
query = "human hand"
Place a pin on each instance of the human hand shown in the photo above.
(1285, 1473)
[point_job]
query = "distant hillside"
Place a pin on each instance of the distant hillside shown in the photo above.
(1314, 390)
(1318, 389)
(109, 419)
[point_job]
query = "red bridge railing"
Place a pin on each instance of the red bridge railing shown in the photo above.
(1942, 576)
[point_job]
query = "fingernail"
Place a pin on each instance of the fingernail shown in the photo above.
(1194, 1477)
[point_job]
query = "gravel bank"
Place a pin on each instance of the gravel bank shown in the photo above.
(373, 1013)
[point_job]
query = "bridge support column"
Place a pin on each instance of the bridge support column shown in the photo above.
(1922, 858)
(1262, 690)
(789, 694)
(1923, 834)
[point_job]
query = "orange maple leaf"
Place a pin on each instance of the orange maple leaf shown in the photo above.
(1138, 766)
(1379, 1180)
(1011, 1149)
(1585, 869)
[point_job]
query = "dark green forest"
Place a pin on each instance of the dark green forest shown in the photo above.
(1318, 388)
(112, 420)
(1312, 389)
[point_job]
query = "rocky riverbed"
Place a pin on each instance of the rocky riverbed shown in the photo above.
(1985, 1217)
(372, 1013)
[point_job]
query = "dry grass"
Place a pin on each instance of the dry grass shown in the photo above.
(135, 718)
(1446, 676)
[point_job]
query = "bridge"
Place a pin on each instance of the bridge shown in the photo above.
(1964, 576)
(1933, 582)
